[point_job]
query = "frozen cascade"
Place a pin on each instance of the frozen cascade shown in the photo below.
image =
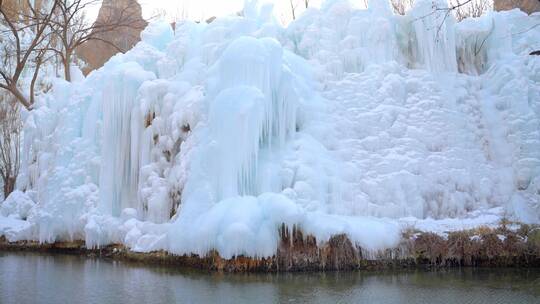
(236, 126)
(120, 152)
(471, 44)
(372, 35)
(255, 109)
(434, 45)
(251, 119)
(348, 121)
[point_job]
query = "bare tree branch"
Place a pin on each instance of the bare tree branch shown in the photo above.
(294, 5)
(10, 142)
(72, 29)
(18, 56)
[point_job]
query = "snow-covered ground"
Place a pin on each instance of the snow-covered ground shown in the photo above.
(347, 121)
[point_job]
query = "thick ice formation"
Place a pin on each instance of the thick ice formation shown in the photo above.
(347, 121)
(120, 163)
(253, 114)
(433, 37)
(236, 116)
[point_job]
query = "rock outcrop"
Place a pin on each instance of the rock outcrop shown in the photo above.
(15, 8)
(528, 6)
(96, 52)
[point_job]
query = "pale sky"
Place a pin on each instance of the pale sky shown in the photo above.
(203, 9)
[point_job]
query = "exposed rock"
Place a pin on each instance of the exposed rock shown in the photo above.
(528, 6)
(18, 7)
(96, 52)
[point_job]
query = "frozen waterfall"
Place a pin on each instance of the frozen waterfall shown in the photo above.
(347, 121)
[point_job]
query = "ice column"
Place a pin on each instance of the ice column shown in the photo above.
(119, 162)
(434, 31)
(254, 109)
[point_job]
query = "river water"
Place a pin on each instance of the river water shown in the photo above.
(34, 278)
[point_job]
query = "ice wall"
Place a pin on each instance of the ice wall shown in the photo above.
(148, 119)
(255, 109)
(347, 121)
(340, 38)
(236, 117)
(59, 166)
(120, 164)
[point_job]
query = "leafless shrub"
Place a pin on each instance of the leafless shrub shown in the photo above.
(10, 143)
(461, 8)
(24, 39)
(467, 8)
(400, 6)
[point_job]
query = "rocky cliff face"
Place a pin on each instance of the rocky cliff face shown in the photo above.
(15, 8)
(528, 6)
(96, 52)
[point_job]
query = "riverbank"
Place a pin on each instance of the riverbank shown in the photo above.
(480, 247)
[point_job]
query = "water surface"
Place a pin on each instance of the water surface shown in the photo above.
(34, 278)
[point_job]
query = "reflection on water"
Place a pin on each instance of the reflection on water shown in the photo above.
(32, 278)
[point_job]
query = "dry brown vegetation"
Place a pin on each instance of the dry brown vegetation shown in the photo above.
(10, 143)
(484, 246)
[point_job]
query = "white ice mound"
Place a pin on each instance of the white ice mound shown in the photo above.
(158, 34)
(238, 225)
(17, 205)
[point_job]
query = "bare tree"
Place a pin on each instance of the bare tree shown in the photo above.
(365, 2)
(447, 10)
(10, 143)
(294, 5)
(72, 29)
(182, 13)
(401, 6)
(160, 13)
(474, 8)
(23, 42)
(461, 8)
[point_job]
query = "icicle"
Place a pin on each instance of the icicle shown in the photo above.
(255, 109)
(236, 124)
(120, 163)
(434, 36)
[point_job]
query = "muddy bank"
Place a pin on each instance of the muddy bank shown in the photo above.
(500, 247)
